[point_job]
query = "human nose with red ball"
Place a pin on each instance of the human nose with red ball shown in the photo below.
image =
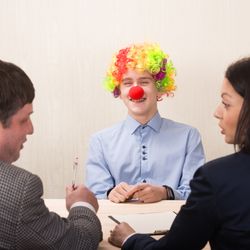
(136, 92)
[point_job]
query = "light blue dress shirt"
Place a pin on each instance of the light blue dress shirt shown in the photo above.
(163, 152)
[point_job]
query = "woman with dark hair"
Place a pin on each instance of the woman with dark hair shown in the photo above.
(238, 74)
(218, 208)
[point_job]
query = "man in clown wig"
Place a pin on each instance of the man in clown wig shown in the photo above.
(145, 157)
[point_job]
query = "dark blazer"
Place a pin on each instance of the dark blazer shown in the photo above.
(217, 210)
(26, 223)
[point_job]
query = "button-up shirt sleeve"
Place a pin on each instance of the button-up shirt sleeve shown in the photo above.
(194, 158)
(99, 179)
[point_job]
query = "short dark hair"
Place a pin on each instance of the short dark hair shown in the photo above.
(16, 90)
(238, 74)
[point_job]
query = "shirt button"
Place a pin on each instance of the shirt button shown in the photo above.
(144, 152)
(144, 158)
(143, 146)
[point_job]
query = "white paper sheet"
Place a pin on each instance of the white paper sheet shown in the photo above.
(149, 223)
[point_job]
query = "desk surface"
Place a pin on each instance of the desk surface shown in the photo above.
(109, 208)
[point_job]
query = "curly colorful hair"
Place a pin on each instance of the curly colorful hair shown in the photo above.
(142, 57)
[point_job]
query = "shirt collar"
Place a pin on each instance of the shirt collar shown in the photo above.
(154, 123)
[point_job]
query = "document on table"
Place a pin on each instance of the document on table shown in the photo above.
(147, 223)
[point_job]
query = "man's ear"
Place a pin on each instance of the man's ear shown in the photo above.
(117, 92)
(159, 96)
(5, 124)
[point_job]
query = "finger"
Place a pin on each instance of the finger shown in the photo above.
(148, 200)
(148, 197)
(69, 189)
(143, 195)
(125, 186)
(138, 194)
(144, 192)
(113, 198)
(116, 197)
(132, 191)
(135, 195)
(119, 193)
(110, 240)
(75, 187)
(138, 187)
(121, 197)
(123, 190)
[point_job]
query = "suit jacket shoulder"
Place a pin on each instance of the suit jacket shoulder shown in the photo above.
(217, 210)
(32, 226)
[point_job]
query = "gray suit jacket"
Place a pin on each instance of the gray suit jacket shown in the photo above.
(26, 223)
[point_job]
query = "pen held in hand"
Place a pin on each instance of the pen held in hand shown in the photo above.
(114, 219)
(159, 232)
(156, 232)
(75, 166)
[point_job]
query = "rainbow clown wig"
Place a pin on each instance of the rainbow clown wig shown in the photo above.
(141, 57)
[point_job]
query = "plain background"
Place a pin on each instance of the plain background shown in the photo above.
(66, 46)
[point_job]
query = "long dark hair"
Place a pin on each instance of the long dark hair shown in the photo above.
(16, 90)
(238, 74)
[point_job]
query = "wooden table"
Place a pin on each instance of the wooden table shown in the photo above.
(109, 208)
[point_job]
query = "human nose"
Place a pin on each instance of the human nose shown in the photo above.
(30, 128)
(136, 92)
(218, 112)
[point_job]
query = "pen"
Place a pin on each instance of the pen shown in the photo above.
(159, 232)
(114, 219)
(75, 166)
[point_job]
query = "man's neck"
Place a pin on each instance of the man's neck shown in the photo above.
(143, 119)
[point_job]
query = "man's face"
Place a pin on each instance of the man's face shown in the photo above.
(13, 137)
(143, 109)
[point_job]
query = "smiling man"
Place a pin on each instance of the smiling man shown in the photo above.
(145, 157)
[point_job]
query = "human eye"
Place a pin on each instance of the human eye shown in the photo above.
(23, 121)
(226, 105)
(127, 83)
(145, 82)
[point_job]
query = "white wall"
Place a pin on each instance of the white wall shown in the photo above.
(65, 47)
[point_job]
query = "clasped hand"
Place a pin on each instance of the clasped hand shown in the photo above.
(143, 192)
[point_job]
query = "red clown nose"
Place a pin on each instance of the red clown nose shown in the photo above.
(136, 92)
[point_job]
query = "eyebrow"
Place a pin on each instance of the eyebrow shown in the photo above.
(140, 78)
(225, 94)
